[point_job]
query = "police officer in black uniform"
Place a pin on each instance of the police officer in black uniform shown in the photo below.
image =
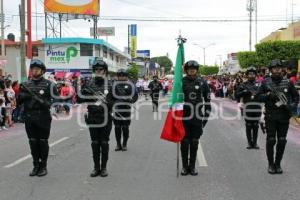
(196, 111)
(279, 95)
(97, 93)
(155, 86)
(124, 94)
(252, 107)
(37, 96)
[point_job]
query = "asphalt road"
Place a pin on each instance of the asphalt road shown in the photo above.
(227, 171)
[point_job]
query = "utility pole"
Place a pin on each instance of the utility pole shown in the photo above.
(293, 11)
(250, 9)
(255, 21)
(23, 42)
(29, 35)
(2, 32)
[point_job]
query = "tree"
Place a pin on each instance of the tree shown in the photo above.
(283, 50)
(133, 72)
(163, 61)
(209, 70)
(249, 58)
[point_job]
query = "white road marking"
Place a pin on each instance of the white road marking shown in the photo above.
(200, 156)
(29, 156)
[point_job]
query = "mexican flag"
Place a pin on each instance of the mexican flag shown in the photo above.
(173, 129)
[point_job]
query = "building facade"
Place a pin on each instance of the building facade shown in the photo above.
(292, 32)
(68, 55)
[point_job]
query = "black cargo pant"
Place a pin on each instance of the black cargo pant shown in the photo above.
(155, 98)
(37, 126)
(122, 129)
(276, 133)
(190, 142)
(100, 138)
(252, 127)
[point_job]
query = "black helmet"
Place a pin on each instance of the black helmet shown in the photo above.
(99, 64)
(191, 65)
(37, 63)
(251, 69)
(275, 63)
(122, 72)
(154, 76)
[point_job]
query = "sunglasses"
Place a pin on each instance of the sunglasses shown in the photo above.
(192, 64)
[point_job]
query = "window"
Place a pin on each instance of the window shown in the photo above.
(35, 51)
(97, 49)
(104, 52)
(86, 50)
(111, 56)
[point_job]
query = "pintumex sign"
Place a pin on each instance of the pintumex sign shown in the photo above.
(65, 57)
(61, 56)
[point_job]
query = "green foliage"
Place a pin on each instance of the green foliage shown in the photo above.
(163, 61)
(266, 51)
(248, 58)
(208, 70)
(283, 50)
(133, 72)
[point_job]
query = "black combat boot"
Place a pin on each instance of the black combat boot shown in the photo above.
(255, 135)
(125, 130)
(104, 158)
(118, 134)
(44, 152)
(34, 147)
(184, 147)
(248, 134)
(193, 157)
(279, 154)
(270, 154)
(96, 158)
(271, 169)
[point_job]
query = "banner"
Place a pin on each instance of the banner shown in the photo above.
(103, 31)
(143, 53)
(82, 7)
(133, 40)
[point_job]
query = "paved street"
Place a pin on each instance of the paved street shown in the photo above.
(227, 171)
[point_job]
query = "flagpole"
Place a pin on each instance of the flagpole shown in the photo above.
(180, 40)
(177, 160)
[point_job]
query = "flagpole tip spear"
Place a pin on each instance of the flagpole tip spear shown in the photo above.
(180, 39)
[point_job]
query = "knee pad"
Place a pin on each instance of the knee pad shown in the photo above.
(104, 143)
(248, 124)
(271, 140)
(282, 141)
(95, 142)
(32, 141)
(43, 141)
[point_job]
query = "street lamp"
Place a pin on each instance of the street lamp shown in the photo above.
(203, 47)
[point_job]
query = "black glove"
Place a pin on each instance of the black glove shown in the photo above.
(272, 96)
